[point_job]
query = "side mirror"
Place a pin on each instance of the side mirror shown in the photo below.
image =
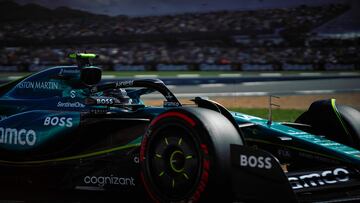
(90, 75)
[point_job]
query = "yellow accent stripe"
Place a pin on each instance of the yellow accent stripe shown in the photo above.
(166, 141)
(339, 116)
(81, 156)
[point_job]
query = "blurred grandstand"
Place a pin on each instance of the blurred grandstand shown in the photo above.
(325, 37)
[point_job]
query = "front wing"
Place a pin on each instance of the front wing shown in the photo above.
(258, 176)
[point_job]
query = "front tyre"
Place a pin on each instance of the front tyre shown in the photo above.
(185, 155)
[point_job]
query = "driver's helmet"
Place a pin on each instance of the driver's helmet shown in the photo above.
(119, 94)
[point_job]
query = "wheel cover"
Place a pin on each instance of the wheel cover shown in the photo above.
(174, 164)
(177, 161)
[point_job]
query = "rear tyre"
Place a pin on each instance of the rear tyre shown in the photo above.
(339, 123)
(186, 153)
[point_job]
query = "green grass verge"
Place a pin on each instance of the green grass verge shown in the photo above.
(278, 114)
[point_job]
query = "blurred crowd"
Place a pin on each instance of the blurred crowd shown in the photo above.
(275, 22)
(300, 18)
(191, 53)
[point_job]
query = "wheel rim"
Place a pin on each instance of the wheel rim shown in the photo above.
(174, 165)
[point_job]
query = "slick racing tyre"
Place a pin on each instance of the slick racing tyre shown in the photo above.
(185, 156)
(336, 122)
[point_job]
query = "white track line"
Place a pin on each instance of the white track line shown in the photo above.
(224, 75)
(310, 74)
(108, 76)
(14, 77)
(254, 83)
(212, 85)
(146, 76)
(188, 75)
(270, 74)
(315, 92)
(349, 73)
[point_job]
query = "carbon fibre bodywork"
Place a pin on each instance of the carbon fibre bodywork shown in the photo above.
(59, 134)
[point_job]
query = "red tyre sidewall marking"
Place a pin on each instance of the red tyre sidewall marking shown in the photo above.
(205, 174)
(175, 114)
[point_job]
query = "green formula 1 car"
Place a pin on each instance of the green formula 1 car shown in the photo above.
(64, 132)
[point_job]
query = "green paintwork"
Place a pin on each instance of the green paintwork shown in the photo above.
(300, 140)
(40, 123)
(51, 93)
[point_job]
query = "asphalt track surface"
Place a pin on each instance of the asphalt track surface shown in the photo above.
(297, 87)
